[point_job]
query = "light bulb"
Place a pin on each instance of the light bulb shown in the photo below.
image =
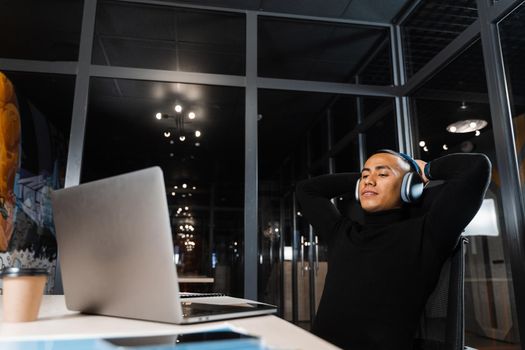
(473, 125)
(445, 147)
(197, 133)
(167, 134)
(453, 129)
(425, 149)
(194, 187)
(171, 154)
(173, 193)
(182, 138)
(158, 116)
(178, 108)
(186, 208)
(422, 143)
(184, 185)
(191, 115)
(176, 187)
(197, 144)
(478, 133)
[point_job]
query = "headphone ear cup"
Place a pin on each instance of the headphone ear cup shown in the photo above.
(411, 187)
(357, 190)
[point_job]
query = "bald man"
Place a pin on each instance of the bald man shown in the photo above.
(382, 270)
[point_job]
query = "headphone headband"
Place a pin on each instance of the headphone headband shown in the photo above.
(403, 156)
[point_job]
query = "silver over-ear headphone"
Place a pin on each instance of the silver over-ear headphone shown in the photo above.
(412, 184)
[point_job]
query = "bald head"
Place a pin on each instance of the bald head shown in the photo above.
(380, 185)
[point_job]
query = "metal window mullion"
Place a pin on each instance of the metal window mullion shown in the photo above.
(327, 87)
(251, 159)
(403, 124)
(166, 76)
(501, 8)
(80, 100)
(506, 155)
(34, 66)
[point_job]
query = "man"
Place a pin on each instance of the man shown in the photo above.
(382, 270)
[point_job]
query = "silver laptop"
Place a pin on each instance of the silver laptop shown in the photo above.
(116, 253)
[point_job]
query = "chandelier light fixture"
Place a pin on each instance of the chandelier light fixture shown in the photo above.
(177, 130)
(467, 125)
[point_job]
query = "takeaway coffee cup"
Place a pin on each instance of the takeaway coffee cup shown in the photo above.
(22, 293)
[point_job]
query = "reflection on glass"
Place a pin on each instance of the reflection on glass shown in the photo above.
(431, 27)
(41, 30)
(204, 182)
(308, 50)
(170, 38)
(490, 318)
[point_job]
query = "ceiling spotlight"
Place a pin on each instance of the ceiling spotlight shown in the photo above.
(171, 142)
(176, 187)
(194, 187)
(158, 116)
(197, 144)
(422, 143)
(463, 106)
(186, 208)
(167, 134)
(191, 115)
(178, 108)
(171, 154)
(425, 149)
(189, 194)
(197, 133)
(445, 147)
(173, 193)
(468, 125)
(478, 133)
(184, 185)
(182, 138)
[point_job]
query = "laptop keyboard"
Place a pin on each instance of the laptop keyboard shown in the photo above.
(184, 295)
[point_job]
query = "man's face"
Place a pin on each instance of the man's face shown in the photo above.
(380, 185)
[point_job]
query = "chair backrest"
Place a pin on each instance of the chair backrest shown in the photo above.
(442, 322)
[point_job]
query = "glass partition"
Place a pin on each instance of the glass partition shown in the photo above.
(322, 51)
(170, 38)
(453, 116)
(431, 27)
(195, 133)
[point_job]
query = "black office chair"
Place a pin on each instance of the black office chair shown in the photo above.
(443, 321)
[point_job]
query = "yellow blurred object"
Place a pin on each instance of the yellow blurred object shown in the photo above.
(6, 90)
(9, 158)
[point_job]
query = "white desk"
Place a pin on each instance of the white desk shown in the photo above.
(56, 322)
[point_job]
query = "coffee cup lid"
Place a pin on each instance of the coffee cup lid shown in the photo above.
(20, 271)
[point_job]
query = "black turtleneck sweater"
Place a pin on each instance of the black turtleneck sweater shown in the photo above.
(382, 270)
